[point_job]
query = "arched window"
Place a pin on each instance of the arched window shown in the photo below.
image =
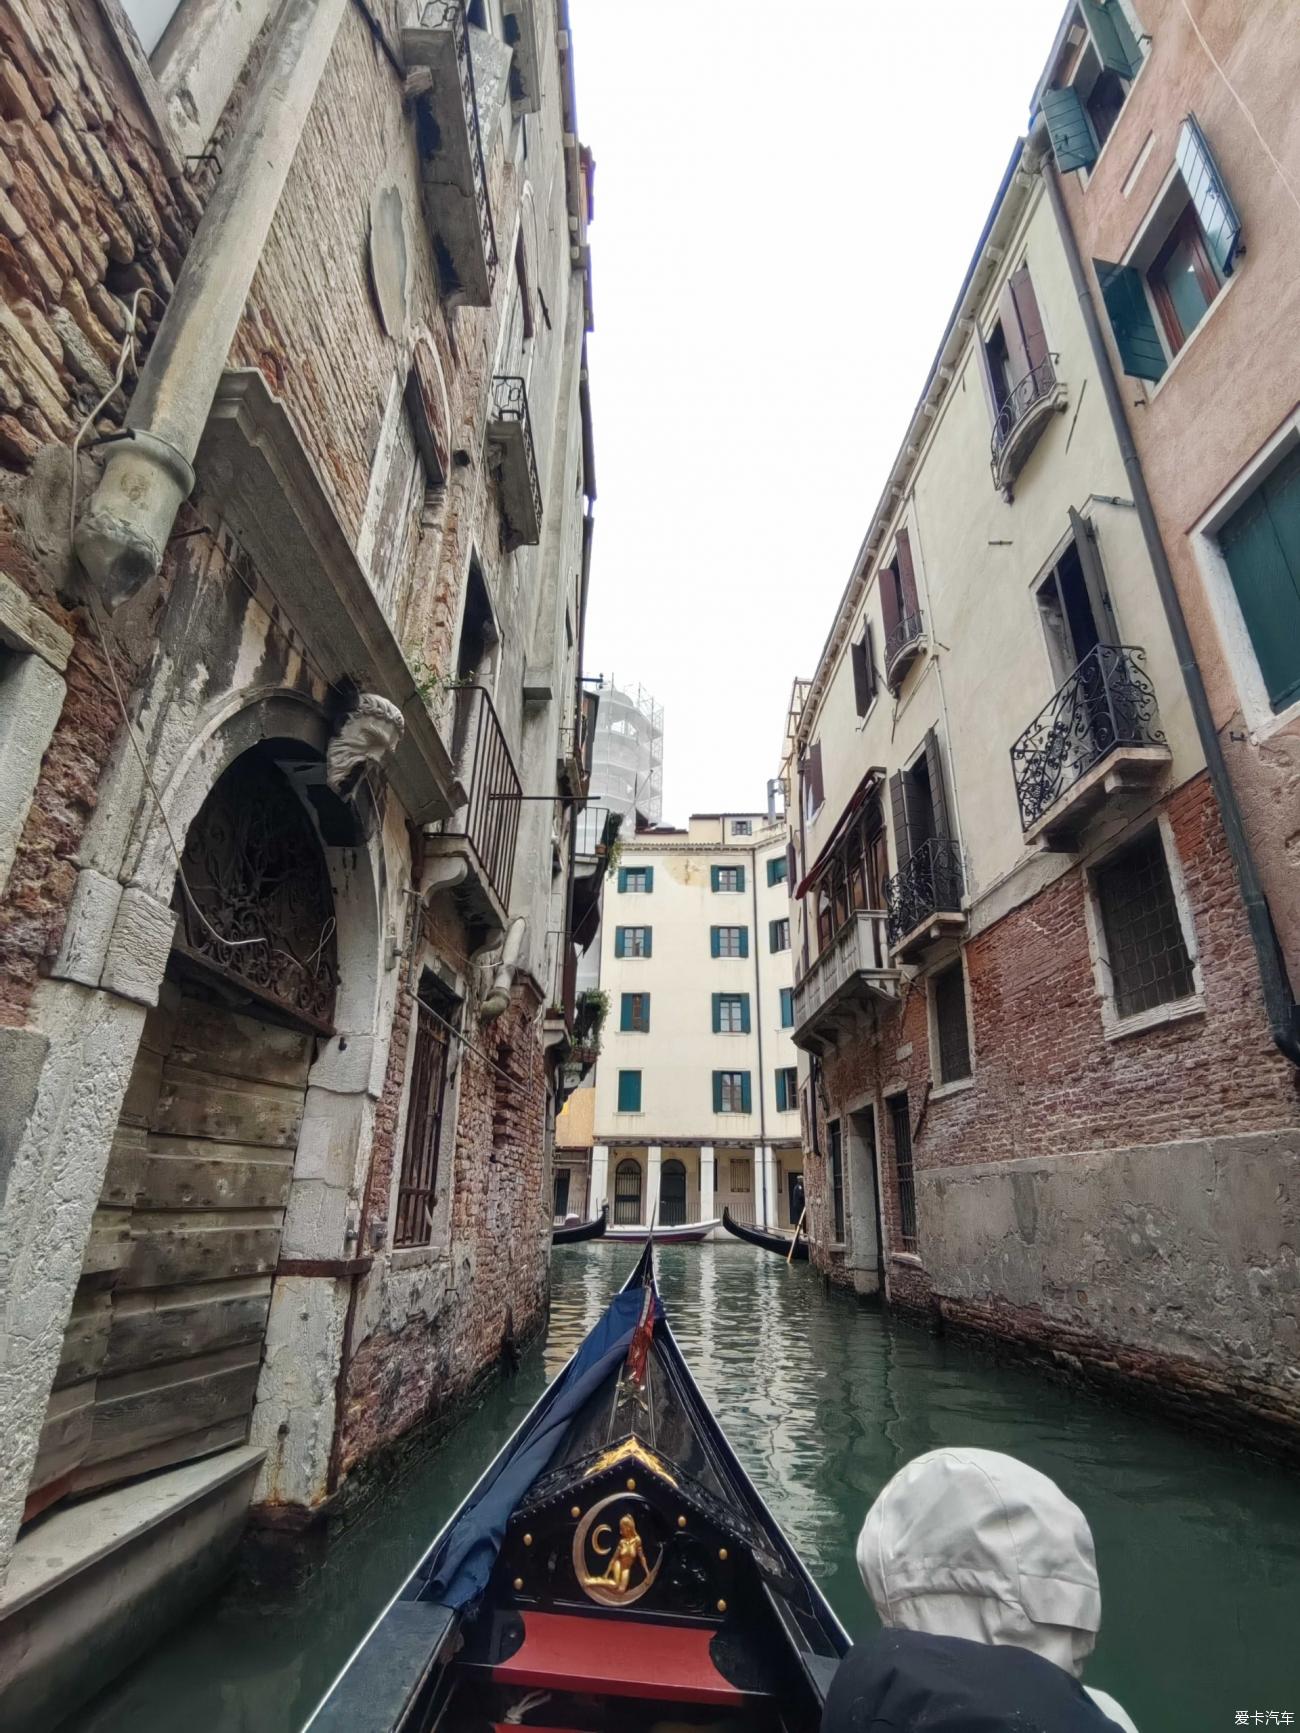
(672, 1194)
(627, 1193)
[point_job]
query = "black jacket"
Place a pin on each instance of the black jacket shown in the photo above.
(904, 1680)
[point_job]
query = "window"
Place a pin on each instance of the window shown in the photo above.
(835, 1165)
(435, 1010)
(636, 880)
(777, 870)
(1177, 269)
(731, 1013)
(629, 1092)
(810, 780)
(672, 1193)
(1073, 604)
(901, 1123)
(521, 279)
(920, 813)
(1017, 365)
(952, 1034)
(727, 878)
(478, 633)
(731, 1092)
(741, 827)
(397, 485)
(632, 941)
(900, 609)
(729, 941)
(787, 1007)
(1091, 83)
(560, 1199)
(854, 877)
(787, 1089)
(634, 1014)
(778, 934)
(1260, 544)
(1145, 946)
(627, 1193)
(739, 1171)
(863, 658)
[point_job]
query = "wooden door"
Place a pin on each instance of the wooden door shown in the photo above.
(162, 1353)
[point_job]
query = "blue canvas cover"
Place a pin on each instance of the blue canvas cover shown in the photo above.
(460, 1571)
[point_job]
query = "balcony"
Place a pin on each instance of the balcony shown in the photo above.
(902, 647)
(573, 771)
(1098, 742)
(514, 462)
(844, 983)
(473, 854)
(1030, 405)
(452, 169)
(925, 900)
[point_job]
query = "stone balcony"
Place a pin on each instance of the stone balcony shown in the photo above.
(1097, 744)
(844, 984)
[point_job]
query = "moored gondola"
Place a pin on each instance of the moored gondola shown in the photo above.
(614, 1566)
(770, 1242)
(592, 1230)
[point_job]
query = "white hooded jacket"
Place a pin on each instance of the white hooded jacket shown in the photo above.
(971, 1543)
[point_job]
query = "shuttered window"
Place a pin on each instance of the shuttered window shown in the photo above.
(1208, 192)
(1145, 947)
(731, 1013)
(862, 656)
(777, 870)
(1261, 545)
(636, 879)
(731, 1092)
(810, 775)
(787, 1089)
(634, 1014)
(952, 1035)
(727, 878)
(787, 1007)
(778, 935)
(729, 941)
(629, 1092)
(632, 941)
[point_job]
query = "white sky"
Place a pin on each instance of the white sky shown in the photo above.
(787, 196)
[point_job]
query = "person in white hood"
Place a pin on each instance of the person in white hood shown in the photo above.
(973, 1544)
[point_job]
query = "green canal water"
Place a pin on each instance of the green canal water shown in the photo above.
(1199, 1547)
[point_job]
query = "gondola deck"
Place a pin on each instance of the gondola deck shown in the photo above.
(614, 1567)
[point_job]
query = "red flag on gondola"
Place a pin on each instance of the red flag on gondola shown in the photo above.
(639, 1350)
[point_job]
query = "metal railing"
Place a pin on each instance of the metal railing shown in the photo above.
(510, 403)
(450, 15)
(490, 818)
(1038, 383)
(906, 632)
(861, 944)
(930, 884)
(1106, 703)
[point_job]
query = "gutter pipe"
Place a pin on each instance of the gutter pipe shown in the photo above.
(129, 518)
(1279, 1002)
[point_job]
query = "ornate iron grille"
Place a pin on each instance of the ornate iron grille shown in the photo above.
(627, 1193)
(1107, 702)
(1148, 958)
(900, 1120)
(265, 912)
(490, 818)
(510, 403)
(450, 15)
(1037, 384)
(931, 883)
(906, 632)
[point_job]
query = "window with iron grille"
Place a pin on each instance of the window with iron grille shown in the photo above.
(739, 1174)
(951, 1030)
(835, 1163)
(1145, 947)
(900, 1119)
(627, 1192)
(435, 1011)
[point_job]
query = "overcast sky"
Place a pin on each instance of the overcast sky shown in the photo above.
(786, 199)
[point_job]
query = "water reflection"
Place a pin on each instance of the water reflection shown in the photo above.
(1199, 1547)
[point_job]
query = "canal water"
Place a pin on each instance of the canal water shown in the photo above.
(1199, 1546)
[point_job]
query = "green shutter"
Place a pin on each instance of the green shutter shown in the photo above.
(740, 878)
(744, 1014)
(1261, 544)
(715, 941)
(714, 877)
(746, 1105)
(649, 941)
(620, 941)
(622, 878)
(649, 878)
(782, 1105)
(1067, 125)
(1214, 208)
(717, 1092)
(717, 1013)
(1136, 337)
(629, 1092)
(787, 1007)
(1116, 44)
(744, 941)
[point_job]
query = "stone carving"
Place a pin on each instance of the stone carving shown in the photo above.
(365, 739)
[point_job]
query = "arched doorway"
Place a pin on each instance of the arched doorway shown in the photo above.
(627, 1193)
(163, 1350)
(672, 1194)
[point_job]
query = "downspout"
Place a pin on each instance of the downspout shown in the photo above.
(758, 1025)
(124, 530)
(1279, 1002)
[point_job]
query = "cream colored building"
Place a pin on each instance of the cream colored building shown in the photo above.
(696, 1087)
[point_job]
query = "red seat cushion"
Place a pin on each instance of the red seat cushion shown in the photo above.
(617, 1659)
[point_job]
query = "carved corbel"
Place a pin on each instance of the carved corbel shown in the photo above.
(365, 739)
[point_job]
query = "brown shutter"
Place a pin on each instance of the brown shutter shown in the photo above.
(898, 810)
(815, 773)
(1017, 354)
(986, 375)
(888, 582)
(906, 575)
(861, 675)
(791, 865)
(869, 655)
(1094, 576)
(1029, 318)
(938, 798)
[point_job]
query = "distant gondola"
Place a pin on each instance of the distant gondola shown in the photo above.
(770, 1242)
(613, 1567)
(591, 1230)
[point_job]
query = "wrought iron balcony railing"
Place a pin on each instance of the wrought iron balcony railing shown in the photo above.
(1022, 417)
(1106, 704)
(930, 884)
(905, 636)
(860, 948)
(489, 820)
(510, 430)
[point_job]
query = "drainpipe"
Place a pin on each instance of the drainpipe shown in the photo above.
(1284, 1022)
(150, 470)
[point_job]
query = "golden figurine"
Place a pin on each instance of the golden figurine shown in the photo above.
(621, 1583)
(617, 1574)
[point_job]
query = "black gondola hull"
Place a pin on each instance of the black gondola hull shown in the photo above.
(770, 1242)
(592, 1230)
